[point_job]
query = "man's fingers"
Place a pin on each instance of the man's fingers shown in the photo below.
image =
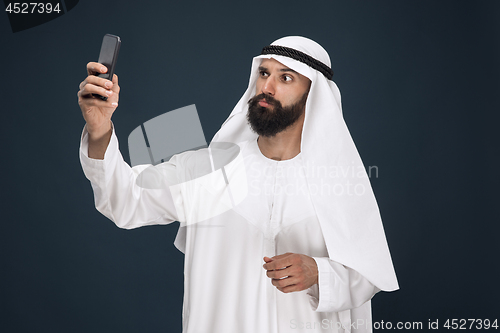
(97, 85)
(99, 81)
(96, 68)
(289, 284)
(281, 273)
(115, 87)
(276, 264)
(282, 283)
(280, 261)
(89, 89)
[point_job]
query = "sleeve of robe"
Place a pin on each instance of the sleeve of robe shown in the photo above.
(339, 288)
(116, 193)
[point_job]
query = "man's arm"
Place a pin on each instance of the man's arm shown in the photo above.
(118, 195)
(98, 142)
(116, 192)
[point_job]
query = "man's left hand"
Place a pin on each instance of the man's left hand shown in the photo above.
(291, 272)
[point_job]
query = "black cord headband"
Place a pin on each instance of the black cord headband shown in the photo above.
(300, 56)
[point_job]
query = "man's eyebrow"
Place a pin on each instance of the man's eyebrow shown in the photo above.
(264, 69)
(288, 70)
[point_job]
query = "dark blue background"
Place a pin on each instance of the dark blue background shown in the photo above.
(419, 82)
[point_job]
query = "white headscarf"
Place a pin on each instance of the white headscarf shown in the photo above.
(338, 184)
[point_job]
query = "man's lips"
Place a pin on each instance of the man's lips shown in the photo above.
(263, 103)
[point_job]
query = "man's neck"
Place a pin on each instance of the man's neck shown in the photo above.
(284, 145)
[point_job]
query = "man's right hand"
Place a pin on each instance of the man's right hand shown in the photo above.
(96, 112)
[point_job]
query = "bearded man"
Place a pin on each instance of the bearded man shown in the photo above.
(303, 250)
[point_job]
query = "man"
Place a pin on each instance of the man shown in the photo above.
(308, 213)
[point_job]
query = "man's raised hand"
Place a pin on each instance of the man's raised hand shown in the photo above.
(291, 272)
(97, 113)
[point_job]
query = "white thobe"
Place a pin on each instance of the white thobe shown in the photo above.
(226, 288)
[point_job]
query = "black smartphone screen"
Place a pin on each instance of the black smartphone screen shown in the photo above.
(109, 54)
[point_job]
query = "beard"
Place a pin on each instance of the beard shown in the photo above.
(275, 118)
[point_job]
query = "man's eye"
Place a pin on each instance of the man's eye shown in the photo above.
(287, 78)
(262, 73)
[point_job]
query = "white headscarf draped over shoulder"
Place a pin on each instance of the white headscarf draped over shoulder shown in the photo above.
(338, 184)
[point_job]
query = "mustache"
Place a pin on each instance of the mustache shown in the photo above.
(269, 100)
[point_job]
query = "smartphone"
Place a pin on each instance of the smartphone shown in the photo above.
(108, 56)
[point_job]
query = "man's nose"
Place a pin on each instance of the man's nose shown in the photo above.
(269, 88)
